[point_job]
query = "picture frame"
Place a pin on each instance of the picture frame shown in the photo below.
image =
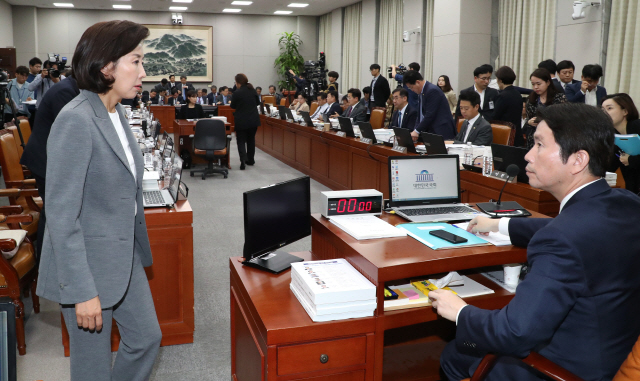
(179, 50)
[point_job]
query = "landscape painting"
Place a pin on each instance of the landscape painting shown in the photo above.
(179, 50)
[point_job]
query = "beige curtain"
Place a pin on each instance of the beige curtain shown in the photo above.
(352, 20)
(390, 34)
(427, 68)
(527, 30)
(623, 50)
(324, 35)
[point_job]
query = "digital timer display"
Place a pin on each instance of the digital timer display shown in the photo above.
(354, 205)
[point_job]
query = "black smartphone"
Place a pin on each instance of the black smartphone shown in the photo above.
(445, 235)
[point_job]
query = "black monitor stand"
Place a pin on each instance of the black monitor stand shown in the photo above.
(274, 261)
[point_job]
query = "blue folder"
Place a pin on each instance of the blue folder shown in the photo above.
(630, 144)
(420, 231)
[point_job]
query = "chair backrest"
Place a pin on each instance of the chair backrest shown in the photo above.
(377, 118)
(283, 102)
(9, 159)
(459, 125)
(16, 139)
(25, 127)
(503, 133)
(269, 99)
(210, 135)
(313, 108)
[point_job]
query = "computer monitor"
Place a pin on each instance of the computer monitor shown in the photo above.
(346, 126)
(404, 139)
(503, 156)
(275, 216)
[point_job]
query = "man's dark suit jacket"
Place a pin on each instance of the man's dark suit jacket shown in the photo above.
(408, 118)
(485, 109)
(35, 151)
(212, 98)
(380, 91)
(277, 97)
(221, 98)
(436, 114)
(509, 109)
(335, 108)
(184, 93)
(574, 94)
(358, 113)
(579, 304)
(244, 101)
(556, 81)
(480, 135)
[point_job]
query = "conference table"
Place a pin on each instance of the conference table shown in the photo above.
(166, 114)
(183, 129)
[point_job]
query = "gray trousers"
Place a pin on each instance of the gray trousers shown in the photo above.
(139, 332)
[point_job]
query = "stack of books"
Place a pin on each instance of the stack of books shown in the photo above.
(332, 290)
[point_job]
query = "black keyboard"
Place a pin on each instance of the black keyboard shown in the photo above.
(438, 210)
(153, 197)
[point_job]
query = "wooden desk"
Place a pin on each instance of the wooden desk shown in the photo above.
(346, 163)
(165, 114)
(227, 111)
(170, 277)
(182, 129)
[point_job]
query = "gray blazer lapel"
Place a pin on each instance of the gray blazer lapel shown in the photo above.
(133, 144)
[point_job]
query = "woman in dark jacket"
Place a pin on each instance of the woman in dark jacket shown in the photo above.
(244, 101)
(624, 114)
(191, 110)
(544, 94)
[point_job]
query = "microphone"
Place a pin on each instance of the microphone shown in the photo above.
(507, 208)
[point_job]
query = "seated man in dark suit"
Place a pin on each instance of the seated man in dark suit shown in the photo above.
(552, 68)
(173, 99)
(481, 77)
(334, 108)
(474, 129)
(356, 110)
(153, 96)
(277, 96)
(579, 303)
(434, 114)
(212, 97)
(588, 91)
(509, 103)
(566, 69)
(224, 97)
(404, 116)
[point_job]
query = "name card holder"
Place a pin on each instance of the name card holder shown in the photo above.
(400, 149)
(366, 140)
(341, 133)
(499, 175)
(320, 128)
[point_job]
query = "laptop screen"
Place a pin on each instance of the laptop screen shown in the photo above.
(424, 180)
(176, 174)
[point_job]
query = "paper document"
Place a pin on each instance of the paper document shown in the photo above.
(494, 238)
(151, 175)
(366, 226)
(31, 102)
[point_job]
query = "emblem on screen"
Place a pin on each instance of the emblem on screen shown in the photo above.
(424, 180)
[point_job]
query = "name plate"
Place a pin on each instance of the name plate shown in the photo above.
(341, 133)
(400, 149)
(290, 120)
(321, 128)
(366, 140)
(503, 176)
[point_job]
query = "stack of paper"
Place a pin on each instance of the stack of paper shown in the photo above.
(366, 226)
(332, 290)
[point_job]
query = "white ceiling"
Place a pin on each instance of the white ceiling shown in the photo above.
(260, 7)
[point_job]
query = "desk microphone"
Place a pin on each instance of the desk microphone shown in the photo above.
(507, 208)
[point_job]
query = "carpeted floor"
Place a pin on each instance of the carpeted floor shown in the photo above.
(218, 234)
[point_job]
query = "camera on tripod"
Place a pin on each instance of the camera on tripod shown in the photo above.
(316, 75)
(400, 69)
(54, 59)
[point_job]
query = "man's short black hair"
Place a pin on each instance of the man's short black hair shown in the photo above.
(374, 66)
(334, 94)
(578, 126)
(471, 97)
(593, 72)
(223, 88)
(333, 74)
(164, 81)
(506, 75)
(414, 66)
(23, 70)
(214, 87)
(270, 86)
(355, 93)
(153, 91)
(411, 77)
(204, 91)
(367, 90)
(401, 92)
(34, 61)
(174, 91)
(183, 77)
(323, 95)
(171, 75)
(259, 88)
(483, 69)
(550, 65)
(562, 65)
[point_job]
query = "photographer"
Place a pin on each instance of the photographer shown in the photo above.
(333, 77)
(301, 83)
(42, 83)
(19, 93)
(414, 101)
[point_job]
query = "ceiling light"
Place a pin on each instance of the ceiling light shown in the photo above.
(298, 5)
(231, 10)
(120, 6)
(282, 12)
(182, 1)
(242, 3)
(177, 8)
(63, 5)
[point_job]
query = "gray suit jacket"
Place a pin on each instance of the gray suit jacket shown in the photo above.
(221, 99)
(480, 135)
(92, 229)
(359, 113)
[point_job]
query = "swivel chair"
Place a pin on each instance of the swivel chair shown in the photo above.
(211, 142)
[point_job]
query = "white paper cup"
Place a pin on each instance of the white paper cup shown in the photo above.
(512, 274)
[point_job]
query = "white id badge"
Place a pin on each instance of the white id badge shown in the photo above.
(490, 105)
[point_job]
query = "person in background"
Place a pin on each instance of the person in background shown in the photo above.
(43, 82)
(552, 68)
(445, 85)
(299, 104)
(200, 99)
(259, 92)
(404, 115)
(434, 114)
(481, 77)
(35, 66)
(273, 93)
(524, 121)
(300, 81)
(165, 84)
(588, 91)
(153, 96)
(624, 114)
(566, 69)
(509, 103)
(204, 96)
(380, 90)
(20, 93)
(247, 119)
(357, 110)
(474, 129)
(544, 94)
(94, 193)
(414, 102)
(389, 110)
(322, 106)
(366, 94)
(224, 98)
(191, 110)
(171, 85)
(333, 77)
(185, 86)
(333, 107)
(344, 102)
(174, 98)
(212, 96)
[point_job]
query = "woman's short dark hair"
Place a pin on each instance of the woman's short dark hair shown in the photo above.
(506, 75)
(104, 43)
(544, 75)
(447, 84)
(333, 74)
(626, 103)
(191, 93)
(578, 126)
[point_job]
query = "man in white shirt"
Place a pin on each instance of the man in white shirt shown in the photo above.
(578, 304)
(566, 70)
(322, 106)
(588, 91)
(199, 99)
(474, 129)
(481, 77)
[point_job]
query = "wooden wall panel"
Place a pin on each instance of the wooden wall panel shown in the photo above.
(289, 149)
(268, 140)
(364, 172)
(320, 157)
(339, 165)
(278, 140)
(303, 150)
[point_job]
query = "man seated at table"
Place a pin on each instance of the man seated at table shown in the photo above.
(277, 96)
(174, 98)
(579, 304)
(475, 128)
(212, 97)
(224, 98)
(357, 111)
(153, 96)
(322, 106)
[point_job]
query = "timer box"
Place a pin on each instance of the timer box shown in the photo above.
(350, 202)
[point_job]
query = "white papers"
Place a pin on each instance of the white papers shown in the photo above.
(151, 175)
(494, 238)
(366, 226)
(31, 102)
(451, 279)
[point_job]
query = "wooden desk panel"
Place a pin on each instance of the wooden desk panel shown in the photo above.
(183, 129)
(166, 115)
(225, 110)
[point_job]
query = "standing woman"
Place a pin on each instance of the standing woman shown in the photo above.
(445, 86)
(247, 119)
(96, 243)
(191, 110)
(624, 114)
(544, 94)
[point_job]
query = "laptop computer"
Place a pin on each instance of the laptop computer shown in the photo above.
(427, 188)
(346, 126)
(404, 139)
(503, 156)
(288, 113)
(165, 197)
(434, 144)
(325, 118)
(306, 118)
(282, 112)
(366, 131)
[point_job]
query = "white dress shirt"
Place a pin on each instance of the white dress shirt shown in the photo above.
(320, 110)
(115, 119)
(590, 97)
(481, 95)
(469, 127)
(373, 83)
(401, 115)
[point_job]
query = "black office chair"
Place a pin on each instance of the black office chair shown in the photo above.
(211, 142)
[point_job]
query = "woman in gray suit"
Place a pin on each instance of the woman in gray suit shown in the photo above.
(96, 243)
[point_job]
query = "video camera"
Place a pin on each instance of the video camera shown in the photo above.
(400, 69)
(316, 76)
(54, 59)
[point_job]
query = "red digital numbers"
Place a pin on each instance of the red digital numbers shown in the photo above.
(342, 205)
(352, 204)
